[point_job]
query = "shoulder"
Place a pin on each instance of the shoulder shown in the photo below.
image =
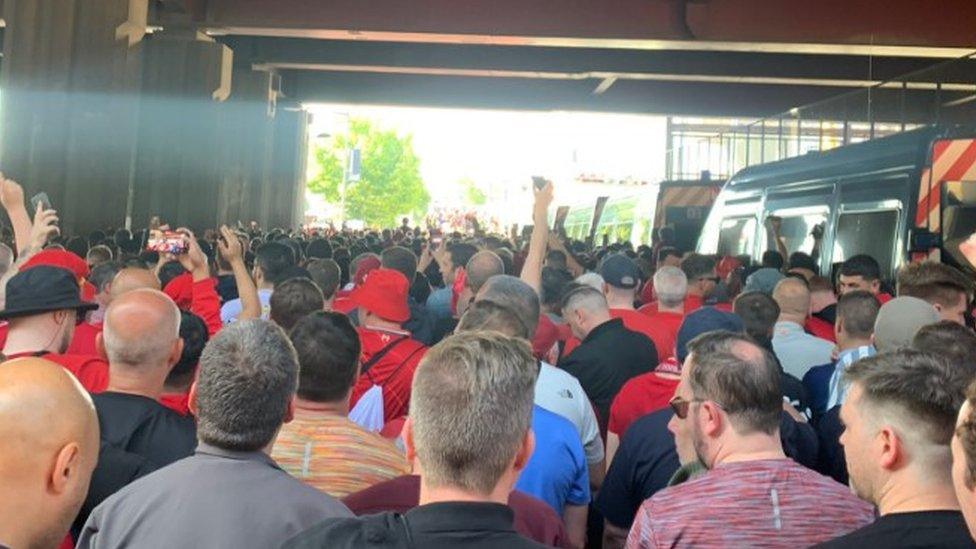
(371, 531)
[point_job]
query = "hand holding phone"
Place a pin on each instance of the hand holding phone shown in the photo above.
(167, 242)
(42, 199)
(539, 182)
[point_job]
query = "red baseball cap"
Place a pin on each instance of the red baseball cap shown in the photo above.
(58, 258)
(384, 293)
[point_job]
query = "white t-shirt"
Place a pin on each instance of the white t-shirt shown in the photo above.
(232, 309)
(559, 392)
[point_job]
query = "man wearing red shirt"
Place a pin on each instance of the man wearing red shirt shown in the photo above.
(43, 305)
(667, 256)
(702, 279)
(861, 272)
(390, 355)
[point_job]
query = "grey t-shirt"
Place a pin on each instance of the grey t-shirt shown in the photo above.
(559, 392)
(215, 498)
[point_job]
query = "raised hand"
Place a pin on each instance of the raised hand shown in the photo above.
(45, 227)
(11, 193)
(229, 245)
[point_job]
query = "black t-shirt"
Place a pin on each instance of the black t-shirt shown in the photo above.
(944, 529)
(830, 460)
(138, 436)
(606, 359)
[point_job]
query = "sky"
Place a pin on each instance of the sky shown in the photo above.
(503, 149)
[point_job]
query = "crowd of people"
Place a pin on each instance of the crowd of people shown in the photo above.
(397, 388)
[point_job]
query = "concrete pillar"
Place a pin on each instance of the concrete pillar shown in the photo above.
(177, 166)
(288, 172)
(69, 77)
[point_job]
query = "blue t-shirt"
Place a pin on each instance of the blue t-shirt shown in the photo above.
(556, 472)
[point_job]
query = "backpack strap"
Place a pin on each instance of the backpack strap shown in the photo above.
(364, 369)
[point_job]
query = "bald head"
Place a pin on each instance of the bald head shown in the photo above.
(482, 266)
(50, 445)
(516, 295)
(141, 328)
(133, 279)
(793, 298)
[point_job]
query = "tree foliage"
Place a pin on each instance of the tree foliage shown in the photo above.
(472, 194)
(389, 185)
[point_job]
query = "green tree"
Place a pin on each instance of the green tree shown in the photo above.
(472, 194)
(389, 185)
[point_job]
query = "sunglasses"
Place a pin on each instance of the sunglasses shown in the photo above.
(681, 406)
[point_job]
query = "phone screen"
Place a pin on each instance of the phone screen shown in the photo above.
(42, 199)
(539, 182)
(168, 242)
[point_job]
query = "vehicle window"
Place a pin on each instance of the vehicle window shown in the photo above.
(871, 233)
(735, 236)
(958, 216)
(796, 229)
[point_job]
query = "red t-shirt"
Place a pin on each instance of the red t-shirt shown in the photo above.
(394, 371)
(546, 335)
(692, 303)
(91, 371)
(178, 402)
(83, 341)
(665, 331)
(647, 292)
(633, 321)
(640, 396)
(883, 297)
(534, 518)
(343, 305)
(820, 328)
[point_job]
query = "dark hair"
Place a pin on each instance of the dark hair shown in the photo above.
(400, 259)
(274, 258)
(328, 351)
(859, 310)
(488, 315)
(319, 248)
(77, 246)
(291, 273)
(955, 342)
(508, 259)
(554, 282)
(296, 249)
(772, 259)
(169, 271)
(967, 437)
(511, 292)
(104, 273)
(801, 260)
(98, 254)
(861, 265)
(740, 376)
(667, 251)
(294, 299)
(461, 253)
(326, 275)
(934, 283)
(920, 384)
(248, 375)
(696, 266)
(557, 257)
(758, 312)
(420, 288)
(194, 333)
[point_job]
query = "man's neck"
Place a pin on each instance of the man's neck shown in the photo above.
(618, 299)
(907, 495)
(845, 344)
(795, 319)
(694, 291)
(438, 494)
(265, 286)
(124, 379)
(30, 341)
(752, 447)
(380, 324)
(338, 408)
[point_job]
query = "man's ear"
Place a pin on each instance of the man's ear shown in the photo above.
(176, 352)
(100, 346)
(891, 448)
(711, 417)
(66, 468)
(525, 451)
(191, 399)
(875, 286)
(290, 410)
(408, 442)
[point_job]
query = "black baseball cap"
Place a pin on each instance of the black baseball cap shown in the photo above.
(620, 271)
(43, 289)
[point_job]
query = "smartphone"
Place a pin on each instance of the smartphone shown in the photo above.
(167, 242)
(42, 199)
(539, 182)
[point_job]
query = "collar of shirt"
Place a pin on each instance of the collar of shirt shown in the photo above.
(605, 327)
(849, 356)
(258, 456)
(452, 516)
(787, 328)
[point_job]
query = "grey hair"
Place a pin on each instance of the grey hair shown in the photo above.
(591, 279)
(470, 407)
(584, 297)
(670, 286)
(509, 291)
(248, 374)
(6, 258)
(148, 347)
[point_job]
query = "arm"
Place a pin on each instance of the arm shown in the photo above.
(574, 517)
(614, 537)
(12, 197)
(532, 269)
(44, 227)
(613, 442)
(556, 243)
(774, 224)
(231, 250)
(205, 302)
(597, 471)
